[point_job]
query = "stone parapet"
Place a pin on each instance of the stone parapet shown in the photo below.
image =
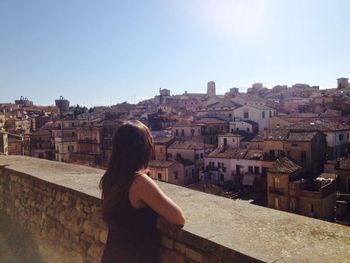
(60, 205)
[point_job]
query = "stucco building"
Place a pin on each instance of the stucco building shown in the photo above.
(190, 150)
(256, 113)
(289, 190)
(230, 164)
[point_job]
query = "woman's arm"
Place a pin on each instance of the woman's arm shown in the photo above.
(149, 192)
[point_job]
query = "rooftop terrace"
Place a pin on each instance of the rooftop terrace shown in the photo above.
(59, 204)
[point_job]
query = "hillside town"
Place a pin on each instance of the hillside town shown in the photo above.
(286, 148)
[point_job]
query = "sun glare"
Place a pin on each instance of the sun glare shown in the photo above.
(232, 19)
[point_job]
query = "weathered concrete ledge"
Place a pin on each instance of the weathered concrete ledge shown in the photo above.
(59, 203)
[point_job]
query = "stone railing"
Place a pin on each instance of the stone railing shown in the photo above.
(59, 205)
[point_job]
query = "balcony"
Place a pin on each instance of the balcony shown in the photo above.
(59, 205)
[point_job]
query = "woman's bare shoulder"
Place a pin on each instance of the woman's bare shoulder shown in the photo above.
(143, 180)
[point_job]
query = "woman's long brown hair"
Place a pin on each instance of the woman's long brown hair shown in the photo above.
(131, 152)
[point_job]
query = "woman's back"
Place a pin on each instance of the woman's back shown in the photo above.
(132, 235)
(132, 200)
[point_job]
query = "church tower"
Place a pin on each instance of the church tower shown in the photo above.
(211, 90)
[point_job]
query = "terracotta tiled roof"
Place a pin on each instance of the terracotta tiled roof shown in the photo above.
(320, 126)
(254, 155)
(301, 136)
(190, 145)
(228, 153)
(211, 121)
(185, 124)
(272, 135)
(223, 104)
(284, 165)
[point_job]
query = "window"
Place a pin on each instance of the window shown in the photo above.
(246, 114)
(225, 141)
(197, 156)
(223, 168)
(222, 177)
(276, 182)
(159, 176)
(177, 132)
(192, 132)
(256, 169)
(178, 155)
(176, 175)
(182, 132)
(263, 114)
(201, 155)
(294, 145)
(73, 134)
(270, 114)
(250, 169)
(248, 130)
(238, 169)
(233, 139)
(341, 137)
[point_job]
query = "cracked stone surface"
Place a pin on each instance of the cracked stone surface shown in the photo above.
(262, 233)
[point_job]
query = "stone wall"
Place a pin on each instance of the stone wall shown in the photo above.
(59, 205)
(67, 224)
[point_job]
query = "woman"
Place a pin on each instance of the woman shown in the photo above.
(131, 200)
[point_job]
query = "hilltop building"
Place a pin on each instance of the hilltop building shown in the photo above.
(62, 104)
(211, 89)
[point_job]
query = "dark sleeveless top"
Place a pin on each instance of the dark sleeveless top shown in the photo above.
(132, 236)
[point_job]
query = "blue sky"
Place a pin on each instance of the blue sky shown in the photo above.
(102, 52)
